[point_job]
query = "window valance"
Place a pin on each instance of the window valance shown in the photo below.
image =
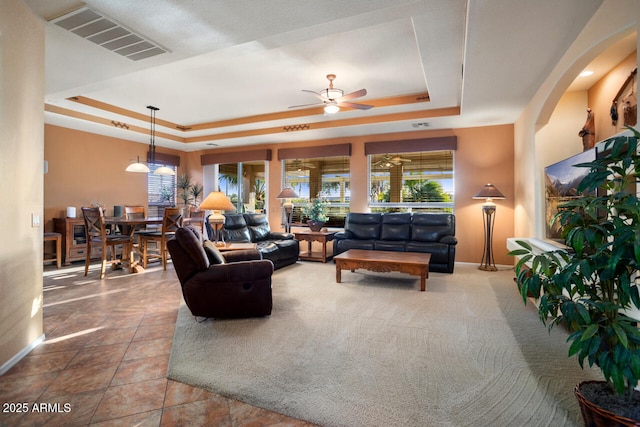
(317, 151)
(411, 145)
(165, 159)
(235, 157)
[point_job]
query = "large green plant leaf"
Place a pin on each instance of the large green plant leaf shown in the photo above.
(586, 288)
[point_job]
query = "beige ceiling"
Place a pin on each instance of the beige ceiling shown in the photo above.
(235, 66)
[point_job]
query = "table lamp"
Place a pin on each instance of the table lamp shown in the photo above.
(489, 192)
(287, 194)
(217, 202)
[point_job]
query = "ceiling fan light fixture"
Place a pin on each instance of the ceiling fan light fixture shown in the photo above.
(331, 108)
(333, 98)
(332, 93)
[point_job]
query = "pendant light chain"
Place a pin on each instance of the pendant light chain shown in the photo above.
(152, 133)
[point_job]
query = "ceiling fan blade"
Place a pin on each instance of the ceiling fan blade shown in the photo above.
(352, 95)
(316, 94)
(400, 159)
(306, 105)
(357, 106)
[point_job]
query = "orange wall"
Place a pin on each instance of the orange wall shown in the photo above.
(484, 155)
(86, 168)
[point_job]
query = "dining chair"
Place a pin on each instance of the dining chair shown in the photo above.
(134, 212)
(196, 218)
(171, 221)
(96, 234)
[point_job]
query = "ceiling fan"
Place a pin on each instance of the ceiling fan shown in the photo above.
(387, 161)
(300, 165)
(334, 98)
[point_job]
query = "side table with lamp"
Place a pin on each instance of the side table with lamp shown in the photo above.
(217, 202)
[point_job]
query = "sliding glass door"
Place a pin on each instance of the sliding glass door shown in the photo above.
(244, 184)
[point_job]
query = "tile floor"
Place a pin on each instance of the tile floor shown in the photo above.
(104, 359)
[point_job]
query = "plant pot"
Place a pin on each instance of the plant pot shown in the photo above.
(315, 225)
(595, 416)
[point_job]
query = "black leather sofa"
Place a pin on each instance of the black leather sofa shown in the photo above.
(280, 248)
(405, 232)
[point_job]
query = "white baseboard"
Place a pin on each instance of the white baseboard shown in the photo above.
(18, 357)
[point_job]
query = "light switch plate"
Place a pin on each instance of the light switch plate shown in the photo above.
(35, 220)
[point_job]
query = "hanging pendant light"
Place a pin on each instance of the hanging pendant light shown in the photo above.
(137, 167)
(162, 170)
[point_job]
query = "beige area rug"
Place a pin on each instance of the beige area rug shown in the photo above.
(375, 351)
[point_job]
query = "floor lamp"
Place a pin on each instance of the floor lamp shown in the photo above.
(489, 192)
(287, 194)
(217, 201)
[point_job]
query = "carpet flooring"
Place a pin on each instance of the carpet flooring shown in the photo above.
(375, 351)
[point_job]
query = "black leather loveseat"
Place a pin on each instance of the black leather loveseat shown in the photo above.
(281, 248)
(406, 232)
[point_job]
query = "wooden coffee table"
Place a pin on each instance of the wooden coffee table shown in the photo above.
(413, 263)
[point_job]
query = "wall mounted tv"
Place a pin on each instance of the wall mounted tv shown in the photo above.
(561, 185)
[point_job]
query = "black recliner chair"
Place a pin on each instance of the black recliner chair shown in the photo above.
(220, 285)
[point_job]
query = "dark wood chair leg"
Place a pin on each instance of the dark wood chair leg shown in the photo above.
(88, 259)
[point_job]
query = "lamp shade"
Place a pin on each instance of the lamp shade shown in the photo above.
(137, 167)
(489, 191)
(164, 170)
(287, 193)
(217, 201)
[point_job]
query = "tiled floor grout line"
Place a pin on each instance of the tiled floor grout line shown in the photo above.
(153, 304)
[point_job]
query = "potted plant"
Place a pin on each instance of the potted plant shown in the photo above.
(183, 183)
(196, 191)
(316, 211)
(590, 287)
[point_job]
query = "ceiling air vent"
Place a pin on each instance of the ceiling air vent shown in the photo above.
(420, 125)
(106, 32)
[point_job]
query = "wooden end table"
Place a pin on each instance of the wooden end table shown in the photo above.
(414, 263)
(238, 246)
(315, 236)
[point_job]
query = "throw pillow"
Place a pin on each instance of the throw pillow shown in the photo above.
(214, 255)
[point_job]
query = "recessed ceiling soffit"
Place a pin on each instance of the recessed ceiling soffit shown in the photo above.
(262, 118)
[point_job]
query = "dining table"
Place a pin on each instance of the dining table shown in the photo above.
(130, 226)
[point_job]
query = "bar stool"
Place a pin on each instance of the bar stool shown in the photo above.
(54, 237)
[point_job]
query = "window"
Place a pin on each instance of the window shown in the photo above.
(325, 177)
(249, 193)
(411, 181)
(161, 190)
(241, 175)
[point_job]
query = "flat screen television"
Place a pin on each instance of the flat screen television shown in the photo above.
(561, 185)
